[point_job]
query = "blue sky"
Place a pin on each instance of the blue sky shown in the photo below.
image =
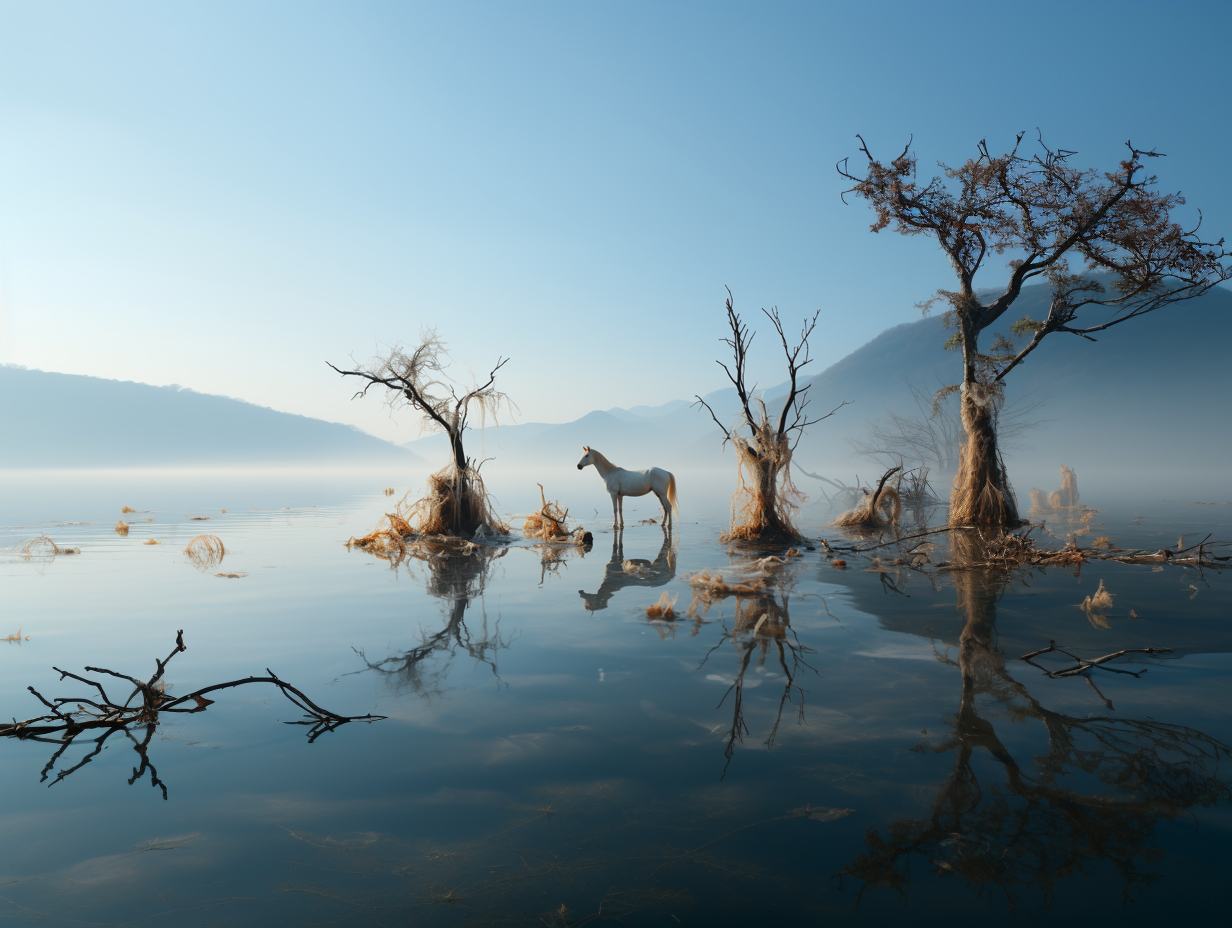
(225, 195)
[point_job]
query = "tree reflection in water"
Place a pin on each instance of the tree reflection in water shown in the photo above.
(1049, 821)
(456, 574)
(761, 627)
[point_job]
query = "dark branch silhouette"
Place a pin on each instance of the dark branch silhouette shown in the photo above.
(142, 709)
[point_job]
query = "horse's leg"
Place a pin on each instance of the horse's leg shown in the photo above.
(667, 511)
(615, 512)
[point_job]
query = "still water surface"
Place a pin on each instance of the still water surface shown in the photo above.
(857, 746)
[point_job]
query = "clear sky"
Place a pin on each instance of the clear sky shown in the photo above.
(224, 195)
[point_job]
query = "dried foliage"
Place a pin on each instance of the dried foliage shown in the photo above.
(763, 506)
(127, 509)
(881, 507)
(550, 523)
(205, 552)
(1063, 498)
(1039, 207)
(121, 527)
(41, 548)
(664, 609)
(440, 512)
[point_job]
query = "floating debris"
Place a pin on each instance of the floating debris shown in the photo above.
(820, 813)
(206, 552)
(121, 527)
(663, 609)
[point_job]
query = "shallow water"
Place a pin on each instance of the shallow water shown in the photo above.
(547, 745)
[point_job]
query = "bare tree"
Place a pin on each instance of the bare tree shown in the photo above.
(456, 502)
(933, 435)
(764, 511)
(1044, 213)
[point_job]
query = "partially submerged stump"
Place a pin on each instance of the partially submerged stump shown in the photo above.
(881, 507)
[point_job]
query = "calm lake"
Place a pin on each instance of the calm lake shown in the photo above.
(859, 746)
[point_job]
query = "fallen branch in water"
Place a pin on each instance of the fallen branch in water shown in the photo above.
(110, 716)
(1084, 665)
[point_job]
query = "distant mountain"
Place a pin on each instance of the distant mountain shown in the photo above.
(66, 420)
(1144, 396)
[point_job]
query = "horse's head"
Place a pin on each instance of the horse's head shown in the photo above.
(586, 458)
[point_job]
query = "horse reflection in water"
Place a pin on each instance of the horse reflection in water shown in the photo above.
(621, 572)
(1050, 822)
(457, 575)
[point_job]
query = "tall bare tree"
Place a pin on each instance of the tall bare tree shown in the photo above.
(456, 502)
(764, 511)
(1044, 213)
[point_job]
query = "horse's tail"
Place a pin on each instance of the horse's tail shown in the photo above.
(671, 495)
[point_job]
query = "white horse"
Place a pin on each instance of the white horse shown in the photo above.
(622, 483)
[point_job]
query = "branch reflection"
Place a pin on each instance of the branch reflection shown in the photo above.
(1096, 795)
(456, 574)
(761, 628)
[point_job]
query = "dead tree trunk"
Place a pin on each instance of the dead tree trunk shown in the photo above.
(762, 506)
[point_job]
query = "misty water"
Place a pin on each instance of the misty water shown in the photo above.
(547, 745)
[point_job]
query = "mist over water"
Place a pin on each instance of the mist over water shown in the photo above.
(546, 744)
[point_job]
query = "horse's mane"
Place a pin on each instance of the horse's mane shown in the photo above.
(599, 457)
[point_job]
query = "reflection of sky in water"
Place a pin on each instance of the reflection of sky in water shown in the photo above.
(546, 753)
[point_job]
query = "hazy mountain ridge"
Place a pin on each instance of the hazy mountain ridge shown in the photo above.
(69, 420)
(1129, 400)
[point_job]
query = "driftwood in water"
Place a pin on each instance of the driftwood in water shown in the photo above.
(1084, 665)
(143, 707)
(880, 507)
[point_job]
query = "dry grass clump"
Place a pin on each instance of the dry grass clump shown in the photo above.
(198, 518)
(664, 609)
(881, 507)
(43, 547)
(549, 523)
(389, 491)
(1098, 605)
(711, 588)
(205, 552)
(234, 576)
(457, 503)
(452, 503)
(18, 637)
(1064, 497)
(121, 527)
(152, 541)
(127, 509)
